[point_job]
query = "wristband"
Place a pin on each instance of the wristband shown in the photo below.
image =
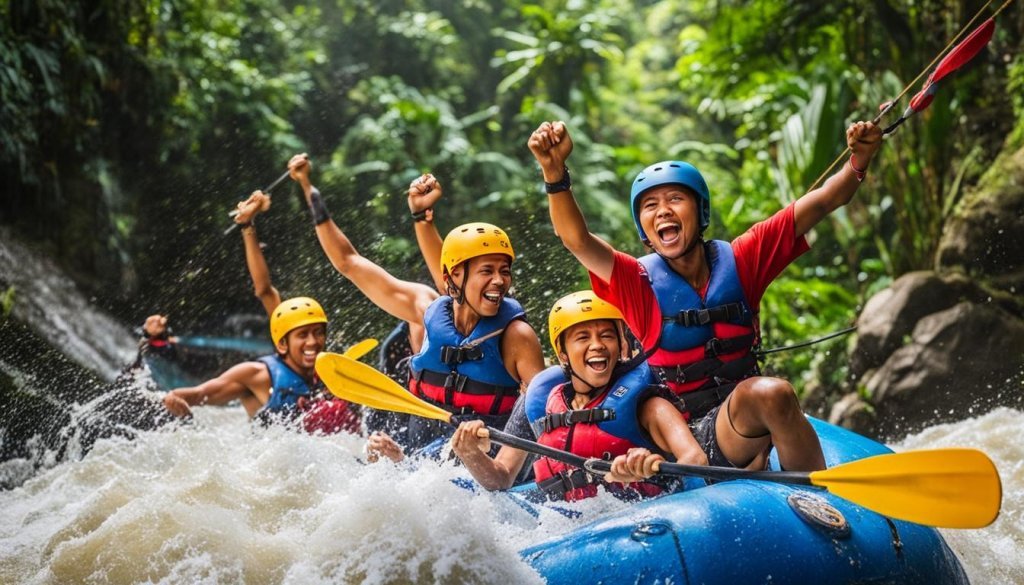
(246, 225)
(424, 215)
(859, 173)
(564, 184)
(317, 208)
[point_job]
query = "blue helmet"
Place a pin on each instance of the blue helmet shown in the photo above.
(671, 172)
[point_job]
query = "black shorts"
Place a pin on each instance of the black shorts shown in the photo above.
(704, 431)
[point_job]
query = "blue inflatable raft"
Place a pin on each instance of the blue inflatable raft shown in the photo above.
(746, 531)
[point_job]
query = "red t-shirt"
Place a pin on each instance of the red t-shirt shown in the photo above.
(762, 253)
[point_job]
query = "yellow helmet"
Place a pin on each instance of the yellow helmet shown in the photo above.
(578, 307)
(472, 240)
(295, 313)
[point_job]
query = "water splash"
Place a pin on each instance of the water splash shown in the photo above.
(994, 554)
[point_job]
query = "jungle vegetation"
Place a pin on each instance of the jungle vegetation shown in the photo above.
(131, 128)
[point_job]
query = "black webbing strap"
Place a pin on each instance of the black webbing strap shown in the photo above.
(453, 382)
(698, 317)
(550, 422)
(565, 481)
(707, 368)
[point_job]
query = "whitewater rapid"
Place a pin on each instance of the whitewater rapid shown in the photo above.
(221, 501)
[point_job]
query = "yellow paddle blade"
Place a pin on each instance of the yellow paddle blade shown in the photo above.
(357, 382)
(360, 349)
(952, 488)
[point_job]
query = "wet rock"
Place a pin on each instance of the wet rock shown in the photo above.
(854, 413)
(891, 315)
(960, 362)
(983, 237)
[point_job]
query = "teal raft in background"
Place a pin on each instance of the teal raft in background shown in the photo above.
(747, 531)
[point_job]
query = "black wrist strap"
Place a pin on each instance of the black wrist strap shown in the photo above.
(423, 215)
(317, 207)
(564, 184)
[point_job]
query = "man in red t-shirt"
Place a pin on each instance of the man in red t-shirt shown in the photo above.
(694, 304)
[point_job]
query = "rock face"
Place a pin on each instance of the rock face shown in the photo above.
(960, 362)
(944, 345)
(984, 238)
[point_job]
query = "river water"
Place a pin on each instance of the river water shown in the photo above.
(219, 501)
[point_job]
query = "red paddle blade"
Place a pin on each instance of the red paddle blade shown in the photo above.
(965, 51)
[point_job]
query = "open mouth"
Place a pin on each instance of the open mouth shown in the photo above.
(669, 233)
(493, 296)
(598, 364)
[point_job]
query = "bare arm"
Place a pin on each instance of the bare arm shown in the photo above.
(670, 432)
(864, 139)
(233, 384)
(424, 193)
(521, 352)
(264, 290)
(402, 299)
(551, 146)
(498, 473)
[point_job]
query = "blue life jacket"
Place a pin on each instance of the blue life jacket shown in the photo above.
(286, 386)
(465, 374)
(704, 344)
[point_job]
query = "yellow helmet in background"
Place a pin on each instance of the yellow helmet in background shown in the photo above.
(578, 307)
(295, 313)
(472, 240)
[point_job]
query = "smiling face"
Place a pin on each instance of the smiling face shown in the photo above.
(301, 345)
(669, 217)
(485, 280)
(591, 349)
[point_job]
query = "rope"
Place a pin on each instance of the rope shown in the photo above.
(892, 104)
(762, 353)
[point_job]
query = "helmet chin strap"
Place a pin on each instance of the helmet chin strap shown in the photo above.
(460, 291)
(569, 371)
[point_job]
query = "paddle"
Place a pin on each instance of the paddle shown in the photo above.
(950, 488)
(266, 191)
(360, 349)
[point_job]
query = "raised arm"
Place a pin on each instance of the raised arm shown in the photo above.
(424, 193)
(264, 290)
(231, 385)
(864, 140)
(551, 145)
(401, 298)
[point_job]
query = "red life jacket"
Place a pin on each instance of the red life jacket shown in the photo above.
(329, 416)
(581, 434)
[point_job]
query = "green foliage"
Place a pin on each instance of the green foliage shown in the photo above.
(131, 128)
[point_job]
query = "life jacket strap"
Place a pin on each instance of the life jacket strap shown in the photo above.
(699, 317)
(566, 481)
(711, 366)
(452, 355)
(454, 382)
(700, 402)
(550, 422)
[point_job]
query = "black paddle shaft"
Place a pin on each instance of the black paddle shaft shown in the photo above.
(679, 469)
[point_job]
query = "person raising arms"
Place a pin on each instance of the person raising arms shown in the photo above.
(474, 350)
(694, 304)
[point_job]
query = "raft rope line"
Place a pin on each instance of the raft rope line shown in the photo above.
(892, 104)
(760, 353)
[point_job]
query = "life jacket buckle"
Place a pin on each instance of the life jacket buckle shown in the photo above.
(454, 355)
(455, 381)
(680, 375)
(713, 347)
